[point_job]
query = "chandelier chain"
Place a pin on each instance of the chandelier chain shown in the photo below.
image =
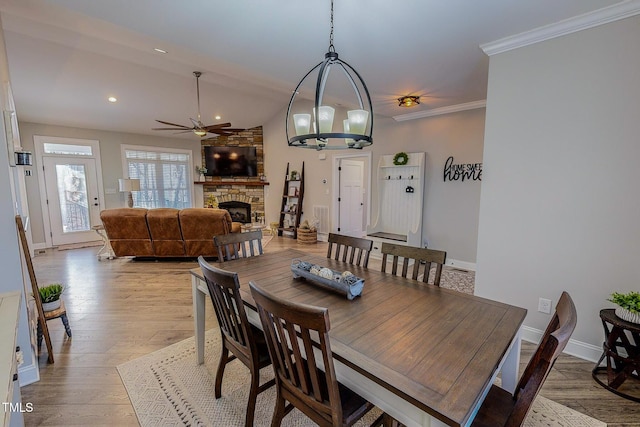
(331, 48)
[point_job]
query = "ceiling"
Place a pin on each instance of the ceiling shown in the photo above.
(66, 57)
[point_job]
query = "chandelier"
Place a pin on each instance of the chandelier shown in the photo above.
(314, 129)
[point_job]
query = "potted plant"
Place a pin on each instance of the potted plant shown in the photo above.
(294, 175)
(201, 171)
(628, 305)
(50, 296)
(212, 201)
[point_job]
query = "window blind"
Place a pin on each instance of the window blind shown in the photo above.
(164, 178)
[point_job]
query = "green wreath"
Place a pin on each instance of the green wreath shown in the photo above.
(401, 158)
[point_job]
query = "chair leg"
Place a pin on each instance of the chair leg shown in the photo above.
(65, 322)
(278, 412)
(253, 395)
(386, 420)
(224, 358)
(39, 336)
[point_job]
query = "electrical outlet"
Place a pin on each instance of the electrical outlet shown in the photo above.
(544, 305)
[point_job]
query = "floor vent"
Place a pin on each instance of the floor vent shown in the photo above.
(321, 213)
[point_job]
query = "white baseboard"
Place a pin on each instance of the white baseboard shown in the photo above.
(463, 265)
(37, 246)
(575, 348)
(28, 374)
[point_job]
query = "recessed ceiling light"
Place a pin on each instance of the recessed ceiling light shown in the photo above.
(157, 49)
(112, 99)
(218, 117)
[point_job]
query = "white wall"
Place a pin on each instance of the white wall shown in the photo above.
(11, 260)
(450, 209)
(111, 156)
(559, 208)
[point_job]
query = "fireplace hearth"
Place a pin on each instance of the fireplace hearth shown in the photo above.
(239, 211)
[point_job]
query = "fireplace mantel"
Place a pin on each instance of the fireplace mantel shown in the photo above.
(245, 183)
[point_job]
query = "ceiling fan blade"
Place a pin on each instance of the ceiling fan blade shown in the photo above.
(233, 129)
(173, 124)
(215, 128)
(186, 130)
(219, 125)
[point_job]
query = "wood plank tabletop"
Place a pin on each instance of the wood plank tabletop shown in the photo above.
(434, 347)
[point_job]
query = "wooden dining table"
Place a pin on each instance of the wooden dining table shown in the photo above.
(424, 354)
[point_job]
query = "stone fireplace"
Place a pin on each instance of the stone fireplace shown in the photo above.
(239, 211)
(243, 197)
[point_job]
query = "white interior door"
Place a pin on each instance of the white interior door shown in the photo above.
(72, 198)
(351, 198)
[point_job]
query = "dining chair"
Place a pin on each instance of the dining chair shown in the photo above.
(231, 245)
(420, 256)
(245, 341)
(289, 328)
(501, 408)
(349, 247)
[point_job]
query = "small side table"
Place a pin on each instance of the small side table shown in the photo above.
(253, 226)
(619, 335)
(106, 251)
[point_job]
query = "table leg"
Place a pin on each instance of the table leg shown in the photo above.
(198, 318)
(511, 365)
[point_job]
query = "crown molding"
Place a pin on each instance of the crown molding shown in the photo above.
(598, 17)
(442, 110)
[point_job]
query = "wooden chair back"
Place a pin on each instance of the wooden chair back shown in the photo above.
(289, 328)
(350, 246)
(231, 245)
(420, 256)
(501, 408)
(554, 340)
(224, 289)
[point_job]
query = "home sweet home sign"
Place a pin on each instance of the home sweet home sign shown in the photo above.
(463, 171)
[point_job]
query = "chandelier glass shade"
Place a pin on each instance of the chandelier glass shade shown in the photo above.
(314, 127)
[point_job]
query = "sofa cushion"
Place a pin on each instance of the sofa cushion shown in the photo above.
(199, 225)
(128, 232)
(164, 227)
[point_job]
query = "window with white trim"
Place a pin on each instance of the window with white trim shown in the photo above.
(165, 176)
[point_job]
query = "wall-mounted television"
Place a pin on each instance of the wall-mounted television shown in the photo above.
(231, 161)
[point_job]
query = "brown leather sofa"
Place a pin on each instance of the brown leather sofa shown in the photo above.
(166, 232)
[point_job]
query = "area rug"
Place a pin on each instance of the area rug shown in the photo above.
(168, 388)
(266, 238)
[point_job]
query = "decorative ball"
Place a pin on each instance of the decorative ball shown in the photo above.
(326, 273)
(349, 279)
(315, 269)
(347, 273)
(305, 265)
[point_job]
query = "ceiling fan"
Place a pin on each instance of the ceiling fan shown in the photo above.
(198, 127)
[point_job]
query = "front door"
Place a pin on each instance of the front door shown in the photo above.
(351, 201)
(72, 198)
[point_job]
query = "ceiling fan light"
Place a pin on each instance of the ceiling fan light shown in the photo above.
(408, 101)
(200, 132)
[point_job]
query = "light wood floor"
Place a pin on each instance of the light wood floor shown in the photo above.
(122, 309)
